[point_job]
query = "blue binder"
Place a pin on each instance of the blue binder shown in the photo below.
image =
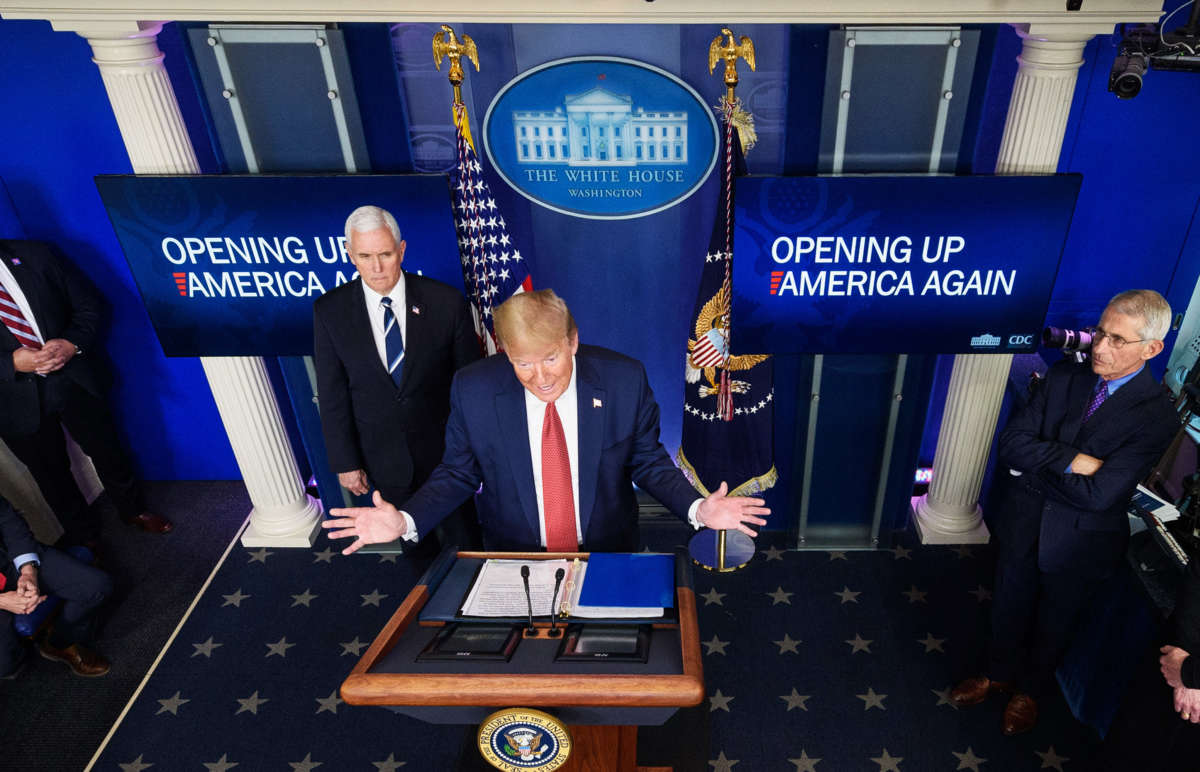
(629, 579)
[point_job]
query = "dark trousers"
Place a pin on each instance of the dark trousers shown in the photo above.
(1147, 734)
(90, 422)
(82, 588)
(1034, 615)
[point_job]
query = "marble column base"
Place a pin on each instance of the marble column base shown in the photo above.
(932, 526)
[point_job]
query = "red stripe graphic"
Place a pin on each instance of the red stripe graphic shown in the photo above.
(776, 279)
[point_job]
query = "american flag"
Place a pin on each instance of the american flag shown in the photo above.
(493, 268)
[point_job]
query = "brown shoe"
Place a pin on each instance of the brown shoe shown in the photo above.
(151, 523)
(1020, 714)
(973, 691)
(82, 660)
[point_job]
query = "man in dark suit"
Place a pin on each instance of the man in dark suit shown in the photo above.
(26, 570)
(1070, 460)
(50, 378)
(385, 348)
(557, 433)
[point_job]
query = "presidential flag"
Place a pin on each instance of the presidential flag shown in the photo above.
(493, 268)
(728, 398)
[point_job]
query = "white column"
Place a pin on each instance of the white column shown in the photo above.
(156, 139)
(1033, 133)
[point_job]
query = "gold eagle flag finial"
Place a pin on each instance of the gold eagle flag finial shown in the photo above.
(731, 51)
(445, 43)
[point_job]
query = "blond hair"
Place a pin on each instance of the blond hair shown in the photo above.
(538, 317)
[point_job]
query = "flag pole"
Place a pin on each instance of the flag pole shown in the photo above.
(728, 51)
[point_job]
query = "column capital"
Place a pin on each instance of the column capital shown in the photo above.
(1057, 32)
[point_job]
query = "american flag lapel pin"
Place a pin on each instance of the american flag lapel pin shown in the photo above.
(416, 310)
(16, 261)
(596, 402)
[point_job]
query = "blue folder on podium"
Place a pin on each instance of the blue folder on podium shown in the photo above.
(629, 579)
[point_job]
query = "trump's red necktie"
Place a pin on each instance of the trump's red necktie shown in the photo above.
(16, 322)
(558, 501)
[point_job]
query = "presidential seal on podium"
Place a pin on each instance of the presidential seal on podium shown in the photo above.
(514, 739)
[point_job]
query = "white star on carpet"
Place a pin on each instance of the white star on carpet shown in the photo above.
(900, 552)
(718, 701)
(773, 554)
(932, 644)
(805, 763)
(715, 646)
(712, 596)
(836, 555)
(795, 700)
(280, 647)
(235, 599)
(722, 764)
(887, 762)
(968, 760)
(205, 648)
(962, 551)
(847, 595)
(251, 704)
(858, 643)
(324, 556)
(981, 593)
(171, 705)
(329, 703)
(1050, 759)
(137, 765)
(353, 648)
(787, 644)
(304, 765)
(222, 764)
(872, 700)
(389, 764)
(260, 556)
(303, 599)
(943, 696)
(914, 595)
(373, 598)
(780, 596)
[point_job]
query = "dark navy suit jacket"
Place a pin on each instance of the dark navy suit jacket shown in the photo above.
(394, 433)
(1078, 523)
(65, 305)
(487, 441)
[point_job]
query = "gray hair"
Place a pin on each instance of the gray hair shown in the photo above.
(539, 316)
(1150, 306)
(369, 218)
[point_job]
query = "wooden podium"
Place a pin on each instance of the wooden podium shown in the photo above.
(602, 703)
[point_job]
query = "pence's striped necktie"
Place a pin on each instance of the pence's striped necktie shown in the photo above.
(393, 341)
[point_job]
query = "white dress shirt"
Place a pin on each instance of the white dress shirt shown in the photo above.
(14, 289)
(375, 313)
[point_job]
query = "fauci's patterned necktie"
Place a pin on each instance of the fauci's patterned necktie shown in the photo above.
(557, 499)
(1098, 397)
(16, 322)
(393, 341)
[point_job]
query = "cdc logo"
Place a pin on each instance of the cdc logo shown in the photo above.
(601, 137)
(1020, 341)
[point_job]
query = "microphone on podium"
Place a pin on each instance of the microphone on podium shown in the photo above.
(558, 577)
(528, 597)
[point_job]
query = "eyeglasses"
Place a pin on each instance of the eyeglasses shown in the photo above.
(1116, 341)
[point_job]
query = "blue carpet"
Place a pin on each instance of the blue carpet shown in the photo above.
(820, 661)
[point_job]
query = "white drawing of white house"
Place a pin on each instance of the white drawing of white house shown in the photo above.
(600, 128)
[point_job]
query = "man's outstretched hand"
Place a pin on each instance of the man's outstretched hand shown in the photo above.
(725, 512)
(370, 525)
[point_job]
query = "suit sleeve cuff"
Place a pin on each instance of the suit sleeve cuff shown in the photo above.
(1189, 672)
(27, 557)
(693, 519)
(410, 528)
